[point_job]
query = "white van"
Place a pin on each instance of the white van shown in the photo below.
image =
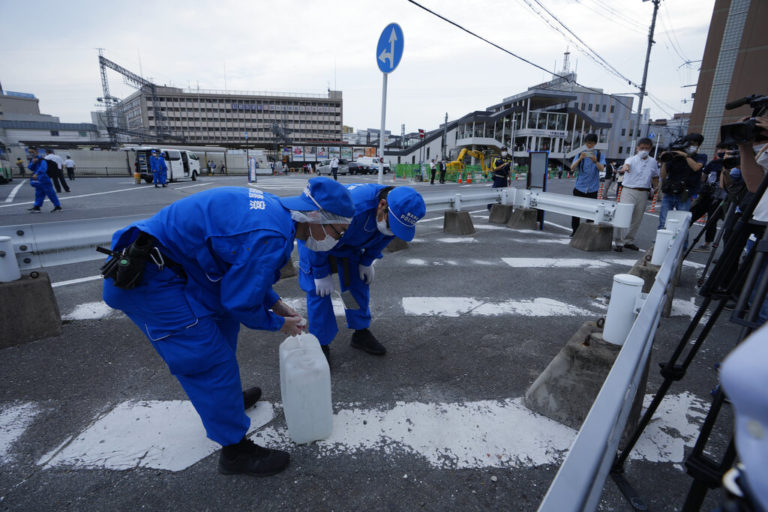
(372, 162)
(182, 164)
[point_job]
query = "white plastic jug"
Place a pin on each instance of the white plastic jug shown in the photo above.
(305, 386)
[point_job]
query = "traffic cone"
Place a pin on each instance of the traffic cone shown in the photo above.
(618, 195)
(600, 192)
(469, 178)
(653, 203)
(702, 220)
(517, 175)
(459, 178)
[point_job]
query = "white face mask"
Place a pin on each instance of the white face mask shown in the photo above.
(643, 153)
(692, 149)
(383, 229)
(324, 245)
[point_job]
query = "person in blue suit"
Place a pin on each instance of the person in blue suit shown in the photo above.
(159, 168)
(41, 183)
(206, 264)
(381, 213)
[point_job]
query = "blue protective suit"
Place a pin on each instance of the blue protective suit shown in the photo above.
(42, 183)
(361, 245)
(159, 170)
(231, 243)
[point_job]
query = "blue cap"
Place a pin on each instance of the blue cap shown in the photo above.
(406, 207)
(322, 194)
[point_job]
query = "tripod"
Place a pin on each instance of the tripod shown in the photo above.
(749, 282)
(712, 219)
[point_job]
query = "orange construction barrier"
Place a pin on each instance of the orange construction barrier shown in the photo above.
(469, 178)
(459, 177)
(653, 203)
(600, 192)
(618, 194)
(702, 220)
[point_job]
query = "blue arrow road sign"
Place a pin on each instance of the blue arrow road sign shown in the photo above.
(389, 51)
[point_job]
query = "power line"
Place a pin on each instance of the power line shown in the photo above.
(670, 32)
(613, 15)
(514, 54)
(606, 65)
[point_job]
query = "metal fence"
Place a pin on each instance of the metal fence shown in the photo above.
(581, 477)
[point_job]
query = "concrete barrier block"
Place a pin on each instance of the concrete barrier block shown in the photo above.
(396, 245)
(458, 223)
(524, 218)
(567, 388)
(28, 310)
(500, 213)
(593, 237)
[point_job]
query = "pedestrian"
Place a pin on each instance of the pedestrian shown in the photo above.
(20, 165)
(41, 182)
(610, 173)
(158, 167)
(310, 168)
(641, 176)
(710, 197)
(432, 172)
(191, 279)
(56, 171)
(680, 176)
(441, 169)
(69, 164)
(213, 167)
(335, 167)
(223, 169)
(588, 163)
(500, 167)
(381, 213)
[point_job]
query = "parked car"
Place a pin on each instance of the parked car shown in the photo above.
(358, 168)
(324, 167)
(373, 163)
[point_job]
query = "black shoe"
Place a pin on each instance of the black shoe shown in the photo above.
(365, 340)
(248, 458)
(67, 190)
(631, 247)
(163, 185)
(156, 186)
(34, 209)
(56, 209)
(618, 248)
(327, 353)
(251, 396)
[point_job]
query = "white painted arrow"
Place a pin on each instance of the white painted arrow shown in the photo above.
(384, 55)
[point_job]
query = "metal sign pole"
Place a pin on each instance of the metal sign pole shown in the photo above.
(381, 133)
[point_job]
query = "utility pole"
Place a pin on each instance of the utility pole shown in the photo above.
(445, 137)
(645, 70)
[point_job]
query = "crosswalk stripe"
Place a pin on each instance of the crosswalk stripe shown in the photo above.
(460, 306)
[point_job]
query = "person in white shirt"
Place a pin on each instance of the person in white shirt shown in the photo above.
(335, 168)
(70, 166)
(641, 176)
(56, 171)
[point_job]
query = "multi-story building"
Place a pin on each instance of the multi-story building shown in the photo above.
(235, 118)
(554, 116)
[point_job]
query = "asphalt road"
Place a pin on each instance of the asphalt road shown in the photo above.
(470, 366)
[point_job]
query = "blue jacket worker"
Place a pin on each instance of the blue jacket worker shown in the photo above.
(188, 278)
(589, 163)
(381, 213)
(159, 168)
(42, 183)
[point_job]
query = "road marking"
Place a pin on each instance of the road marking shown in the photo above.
(91, 311)
(557, 225)
(64, 198)
(554, 263)
(14, 421)
(15, 190)
(461, 306)
(75, 281)
(148, 434)
(456, 240)
(192, 186)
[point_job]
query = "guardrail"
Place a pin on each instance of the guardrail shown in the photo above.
(580, 480)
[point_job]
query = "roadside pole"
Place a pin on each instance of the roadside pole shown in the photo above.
(389, 51)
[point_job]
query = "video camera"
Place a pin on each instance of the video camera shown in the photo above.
(746, 131)
(668, 154)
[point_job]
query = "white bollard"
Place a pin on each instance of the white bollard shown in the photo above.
(673, 225)
(661, 247)
(625, 292)
(9, 267)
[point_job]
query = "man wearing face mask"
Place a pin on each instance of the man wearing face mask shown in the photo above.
(500, 169)
(191, 274)
(680, 176)
(381, 213)
(641, 176)
(710, 196)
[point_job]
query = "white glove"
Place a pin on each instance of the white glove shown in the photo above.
(366, 274)
(324, 285)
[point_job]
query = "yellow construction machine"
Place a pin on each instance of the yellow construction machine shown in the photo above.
(458, 164)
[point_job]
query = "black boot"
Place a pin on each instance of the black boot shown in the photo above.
(56, 209)
(365, 340)
(251, 396)
(34, 209)
(248, 458)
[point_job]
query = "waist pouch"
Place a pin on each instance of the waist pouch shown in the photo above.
(673, 187)
(126, 267)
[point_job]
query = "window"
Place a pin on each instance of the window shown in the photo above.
(54, 133)
(582, 106)
(612, 107)
(620, 149)
(604, 107)
(623, 132)
(590, 107)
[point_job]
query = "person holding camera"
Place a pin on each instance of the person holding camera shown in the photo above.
(589, 164)
(711, 196)
(680, 175)
(641, 176)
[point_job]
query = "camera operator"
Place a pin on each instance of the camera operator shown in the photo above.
(754, 159)
(680, 175)
(710, 196)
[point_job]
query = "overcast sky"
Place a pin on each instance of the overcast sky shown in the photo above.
(309, 46)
